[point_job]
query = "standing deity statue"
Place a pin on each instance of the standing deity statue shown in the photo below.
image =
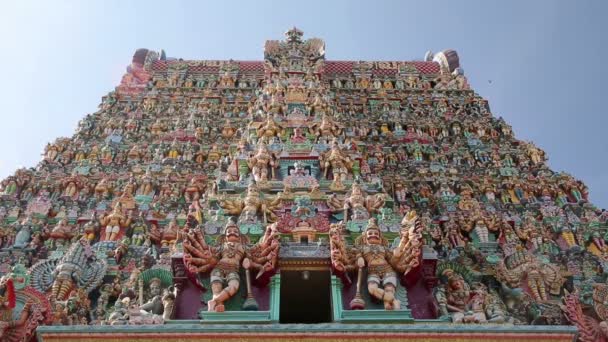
(261, 162)
(337, 161)
(224, 261)
(385, 265)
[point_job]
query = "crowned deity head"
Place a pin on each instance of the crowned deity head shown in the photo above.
(232, 232)
(373, 235)
(252, 189)
(356, 189)
(155, 287)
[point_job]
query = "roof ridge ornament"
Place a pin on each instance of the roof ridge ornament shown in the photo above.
(294, 54)
(294, 35)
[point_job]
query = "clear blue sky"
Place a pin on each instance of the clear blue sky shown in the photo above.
(545, 59)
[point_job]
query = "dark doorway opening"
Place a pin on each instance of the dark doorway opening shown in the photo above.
(305, 297)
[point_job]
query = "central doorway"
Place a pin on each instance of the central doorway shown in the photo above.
(305, 297)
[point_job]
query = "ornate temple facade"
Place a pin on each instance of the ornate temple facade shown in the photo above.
(298, 198)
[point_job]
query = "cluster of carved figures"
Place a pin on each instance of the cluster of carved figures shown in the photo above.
(202, 172)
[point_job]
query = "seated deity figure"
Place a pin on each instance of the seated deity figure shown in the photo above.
(326, 128)
(134, 154)
(51, 152)
(275, 107)
(480, 227)
(174, 150)
(269, 128)
(361, 205)
(298, 136)
(466, 303)
(154, 305)
(227, 80)
(228, 130)
(120, 315)
(103, 188)
(87, 230)
(214, 155)
(71, 189)
(194, 190)
(62, 231)
(114, 223)
(316, 105)
(251, 206)
(299, 170)
(157, 307)
(170, 234)
(454, 296)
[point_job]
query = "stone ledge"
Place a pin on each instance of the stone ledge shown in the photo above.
(196, 331)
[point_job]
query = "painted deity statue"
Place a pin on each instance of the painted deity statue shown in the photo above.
(252, 205)
(114, 223)
(337, 161)
(361, 205)
(326, 128)
(152, 307)
(62, 231)
(542, 279)
(385, 265)
(262, 161)
(7, 299)
(269, 128)
(78, 268)
(455, 300)
(225, 261)
(317, 105)
(194, 190)
(478, 226)
(469, 303)
(228, 130)
(19, 327)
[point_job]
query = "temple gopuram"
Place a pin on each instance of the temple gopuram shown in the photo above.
(298, 198)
